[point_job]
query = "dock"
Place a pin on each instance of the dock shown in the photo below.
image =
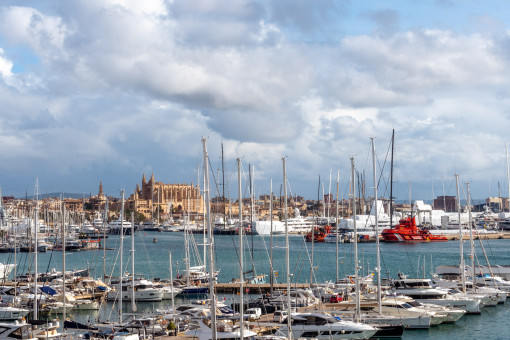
(258, 288)
(455, 236)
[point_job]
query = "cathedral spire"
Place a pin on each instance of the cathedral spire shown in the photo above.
(100, 194)
(144, 181)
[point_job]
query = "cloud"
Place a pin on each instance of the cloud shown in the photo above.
(121, 85)
(5, 66)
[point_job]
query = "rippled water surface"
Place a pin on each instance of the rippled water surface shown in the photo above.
(152, 260)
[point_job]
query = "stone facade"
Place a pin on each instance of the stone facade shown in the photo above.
(153, 196)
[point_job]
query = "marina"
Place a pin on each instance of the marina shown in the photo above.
(419, 261)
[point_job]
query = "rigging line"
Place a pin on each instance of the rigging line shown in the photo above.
(485, 253)
(309, 260)
(214, 178)
(49, 261)
(297, 262)
(479, 238)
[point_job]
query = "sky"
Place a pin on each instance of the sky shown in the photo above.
(106, 90)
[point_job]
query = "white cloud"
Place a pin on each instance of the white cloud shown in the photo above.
(118, 82)
(5, 66)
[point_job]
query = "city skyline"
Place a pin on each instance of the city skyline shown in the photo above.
(108, 90)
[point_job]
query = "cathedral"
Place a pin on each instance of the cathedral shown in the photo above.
(153, 196)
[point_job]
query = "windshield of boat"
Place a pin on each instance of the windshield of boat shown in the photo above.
(312, 320)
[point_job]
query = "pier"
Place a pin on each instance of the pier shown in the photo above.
(455, 236)
(259, 288)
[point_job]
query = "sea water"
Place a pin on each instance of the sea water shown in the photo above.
(152, 261)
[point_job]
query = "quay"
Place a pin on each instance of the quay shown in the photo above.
(259, 288)
(452, 236)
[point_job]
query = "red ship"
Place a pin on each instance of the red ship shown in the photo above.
(319, 234)
(408, 231)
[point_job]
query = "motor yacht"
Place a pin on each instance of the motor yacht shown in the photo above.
(324, 326)
(144, 291)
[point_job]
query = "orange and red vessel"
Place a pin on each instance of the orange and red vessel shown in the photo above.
(319, 234)
(408, 231)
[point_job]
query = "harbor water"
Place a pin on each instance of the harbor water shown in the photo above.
(414, 260)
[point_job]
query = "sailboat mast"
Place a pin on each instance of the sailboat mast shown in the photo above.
(313, 230)
(241, 253)
(152, 202)
(329, 194)
(271, 277)
(507, 174)
(171, 283)
(212, 294)
(287, 254)
(105, 221)
(203, 219)
(35, 246)
(391, 178)
(461, 242)
(358, 307)
(252, 210)
(121, 252)
(378, 255)
(223, 188)
(133, 301)
(472, 243)
(337, 225)
(63, 258)
(186, 250)
(159, 198)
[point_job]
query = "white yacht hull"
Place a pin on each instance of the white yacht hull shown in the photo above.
(149, 295)
(264, 228)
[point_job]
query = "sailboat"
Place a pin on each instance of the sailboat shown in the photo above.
(317, 325)
(212, 328)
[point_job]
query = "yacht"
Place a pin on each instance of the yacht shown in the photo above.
(365, 224)
(115, 226)
(298, 224)
(197, 275)
(16, 330)
(12, 313)
(144, 291)
(324, 326)
(98, 221)
(423, 290)
(264, 228)
(224, 330)
(88, 229)
(409, 316)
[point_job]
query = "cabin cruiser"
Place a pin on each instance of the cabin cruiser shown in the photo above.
(88, 229)
(144, 291)
(115, 226)
(197, 275)
(324, 326)
(12, 313)
(492, 296)
(423, 290)
(9, 331)
(224, 330)
(409, 316)
(97, 222)
(169, 292)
